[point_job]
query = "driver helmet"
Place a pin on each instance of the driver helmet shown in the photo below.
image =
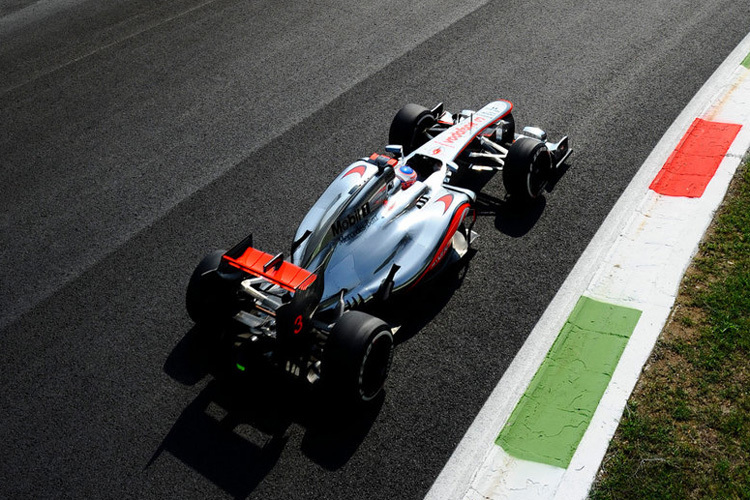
(406, 175)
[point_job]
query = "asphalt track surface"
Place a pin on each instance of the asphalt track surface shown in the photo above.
(137, 136)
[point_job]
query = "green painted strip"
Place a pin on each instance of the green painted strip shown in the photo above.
(554, 412)
(746, 62)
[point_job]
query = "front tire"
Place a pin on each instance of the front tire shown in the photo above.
(527, 168)
(357, 357)
(409, 125)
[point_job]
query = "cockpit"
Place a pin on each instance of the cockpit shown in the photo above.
(424, 165)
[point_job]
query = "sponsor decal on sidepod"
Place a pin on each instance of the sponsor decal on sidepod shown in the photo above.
(345, 223)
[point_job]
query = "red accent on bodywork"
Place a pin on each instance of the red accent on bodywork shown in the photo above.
(447, 200)
(288, 276)
(357, 170)
(458, 217)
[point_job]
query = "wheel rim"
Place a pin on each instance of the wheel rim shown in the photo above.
(375, 365)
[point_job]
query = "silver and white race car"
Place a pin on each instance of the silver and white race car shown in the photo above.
(385, 225)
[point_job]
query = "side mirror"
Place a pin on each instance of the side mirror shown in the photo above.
(396, 149)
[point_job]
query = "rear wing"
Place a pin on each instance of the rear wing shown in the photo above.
(272, 268)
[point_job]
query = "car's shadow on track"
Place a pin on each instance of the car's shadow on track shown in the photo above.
(226, 446)
(512, 217)
(235, 430)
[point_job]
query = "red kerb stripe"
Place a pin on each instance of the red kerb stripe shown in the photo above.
(692, 165)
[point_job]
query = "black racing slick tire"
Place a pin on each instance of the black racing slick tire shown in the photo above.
(409, 125)
(357, 358)
(203, 298)
(527, 168)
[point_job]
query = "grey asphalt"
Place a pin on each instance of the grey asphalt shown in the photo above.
(137, 136)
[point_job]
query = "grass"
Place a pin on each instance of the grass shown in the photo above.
(685, 432)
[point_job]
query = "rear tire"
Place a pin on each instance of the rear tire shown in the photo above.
(357, 358)
(527, 168)
(204, 296)
(409, 125)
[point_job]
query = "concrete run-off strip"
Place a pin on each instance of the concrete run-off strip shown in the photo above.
(556, 409)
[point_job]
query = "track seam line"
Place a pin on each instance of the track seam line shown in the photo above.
(59, 67)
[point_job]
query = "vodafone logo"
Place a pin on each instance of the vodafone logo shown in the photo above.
(457, 133)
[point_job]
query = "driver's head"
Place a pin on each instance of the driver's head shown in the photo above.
(407, 175)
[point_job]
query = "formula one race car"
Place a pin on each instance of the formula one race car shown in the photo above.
(386, 224)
